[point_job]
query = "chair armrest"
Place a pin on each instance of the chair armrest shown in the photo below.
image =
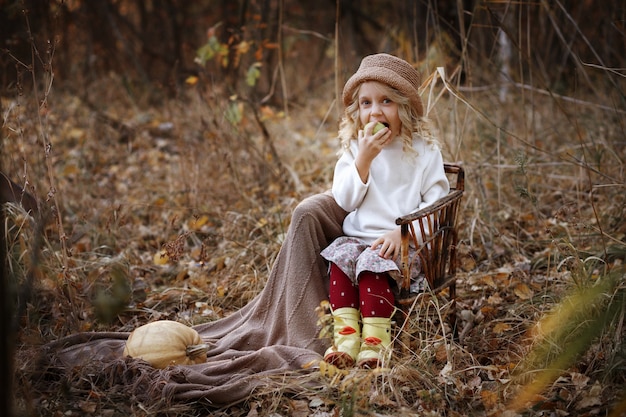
(433, 208)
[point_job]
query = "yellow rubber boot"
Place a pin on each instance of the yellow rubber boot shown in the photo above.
(346, 338)
(376, 344)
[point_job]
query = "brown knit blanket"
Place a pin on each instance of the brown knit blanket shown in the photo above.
(276, 332)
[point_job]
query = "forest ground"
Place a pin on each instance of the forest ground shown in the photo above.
(541, 221)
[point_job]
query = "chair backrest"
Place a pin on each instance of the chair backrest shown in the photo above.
(457, 171)
(435, 236)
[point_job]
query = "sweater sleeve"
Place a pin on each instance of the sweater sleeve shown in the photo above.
(348, 189)
(435, 184)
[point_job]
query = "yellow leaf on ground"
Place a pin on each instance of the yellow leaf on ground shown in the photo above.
(267, 112)
(523, 292)
(500, 328)
(161, 258)
(197, 222)
(76, 133)
(488, 279)
(71, 169)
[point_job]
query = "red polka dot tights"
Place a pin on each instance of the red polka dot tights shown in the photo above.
(373, 294)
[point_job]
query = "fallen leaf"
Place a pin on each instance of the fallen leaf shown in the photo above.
(503, 273)
(441, 353)
(71, 169)
(197, 222)
(495, 299)
(161, 258)
(76, 133)
(489, 399)
(591, 398)
(488, 279)
(579, 380)
(500, 328)
(299, 408)
(447, 370)
(488, 311)
(523, 292)
(88, 407)
(474, 382)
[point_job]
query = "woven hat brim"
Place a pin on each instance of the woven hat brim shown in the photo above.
(385, 76)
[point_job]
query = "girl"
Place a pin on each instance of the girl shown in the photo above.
(382, 174)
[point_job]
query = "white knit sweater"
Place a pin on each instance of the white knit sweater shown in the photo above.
(398, 184)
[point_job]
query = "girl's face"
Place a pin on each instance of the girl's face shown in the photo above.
(376, 106)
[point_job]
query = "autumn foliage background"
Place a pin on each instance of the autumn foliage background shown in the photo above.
(168, 143)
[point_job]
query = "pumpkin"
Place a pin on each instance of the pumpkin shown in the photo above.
(166, 342)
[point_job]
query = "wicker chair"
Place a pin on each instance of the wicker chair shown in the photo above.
(437, 253)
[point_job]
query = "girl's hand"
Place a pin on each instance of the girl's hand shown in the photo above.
(389, 244)
(370, 145)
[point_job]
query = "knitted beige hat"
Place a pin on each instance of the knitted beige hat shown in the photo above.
(389, 70)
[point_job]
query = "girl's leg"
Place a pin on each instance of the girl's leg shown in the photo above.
(377, 306)
(346, 330)
(342, 291)
(375, 294)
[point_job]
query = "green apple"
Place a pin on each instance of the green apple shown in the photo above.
(377, 127)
